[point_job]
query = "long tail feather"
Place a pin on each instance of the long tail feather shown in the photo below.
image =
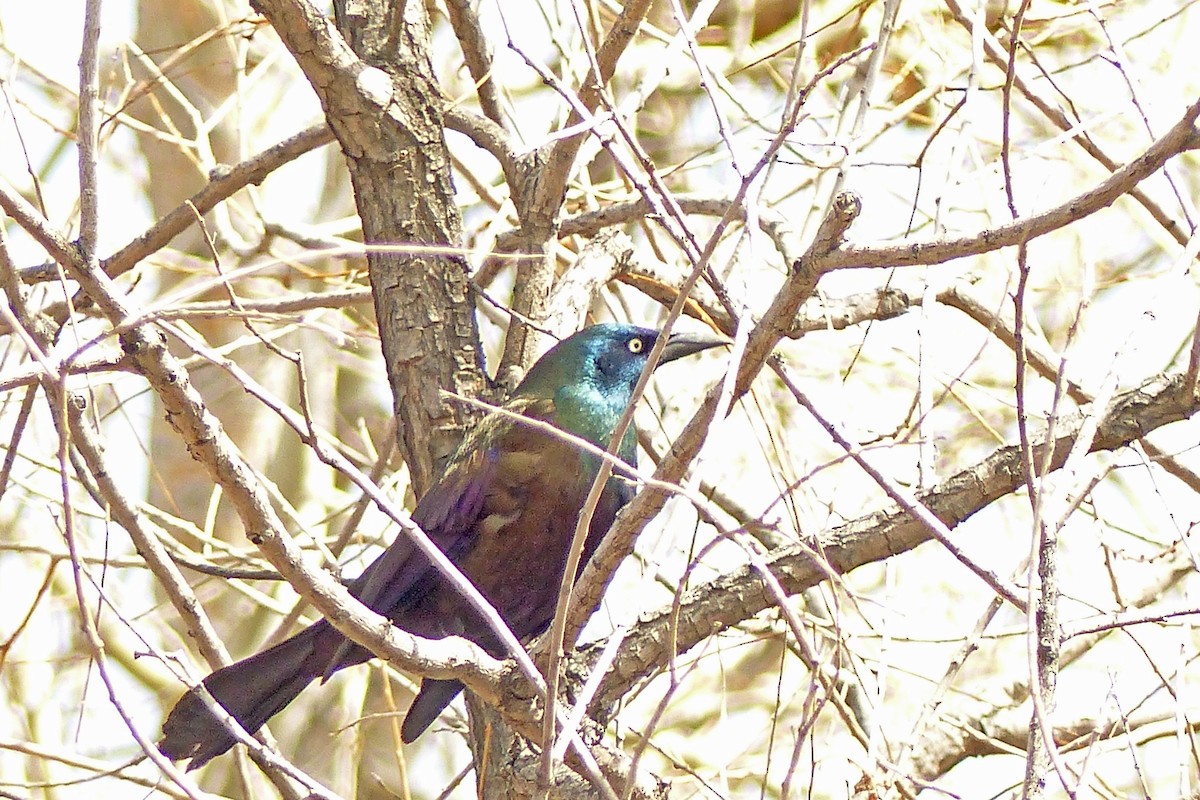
(252, 691)
(433, 698)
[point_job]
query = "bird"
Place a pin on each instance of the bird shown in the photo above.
(504, 511)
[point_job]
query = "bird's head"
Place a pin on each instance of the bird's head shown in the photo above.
(591, 374)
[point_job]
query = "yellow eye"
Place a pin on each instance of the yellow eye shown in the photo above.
(636, 345)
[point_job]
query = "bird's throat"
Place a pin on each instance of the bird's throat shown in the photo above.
(593, 415)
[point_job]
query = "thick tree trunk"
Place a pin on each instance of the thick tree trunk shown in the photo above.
(401, 173)
(383, 103)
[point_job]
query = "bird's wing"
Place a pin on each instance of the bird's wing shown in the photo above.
(447, 514)
(451, 513)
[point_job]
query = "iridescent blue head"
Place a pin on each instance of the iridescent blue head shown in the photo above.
(591, 376)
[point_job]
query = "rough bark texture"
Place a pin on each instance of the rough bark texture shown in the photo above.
(401, 174)
(383, 104)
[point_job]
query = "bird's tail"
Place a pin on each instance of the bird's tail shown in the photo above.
(257, 688)
(252, 691)
(434, 696)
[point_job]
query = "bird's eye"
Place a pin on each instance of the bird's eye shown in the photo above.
(636, 345)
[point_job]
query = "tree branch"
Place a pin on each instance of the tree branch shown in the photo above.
(732, 598)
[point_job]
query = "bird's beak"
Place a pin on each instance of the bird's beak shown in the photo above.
(685, 344)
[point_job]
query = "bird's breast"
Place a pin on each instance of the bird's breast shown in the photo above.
(525, 529)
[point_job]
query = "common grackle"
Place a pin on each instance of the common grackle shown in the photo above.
(504, 513)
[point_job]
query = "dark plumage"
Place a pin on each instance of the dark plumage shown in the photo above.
(504, 512)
